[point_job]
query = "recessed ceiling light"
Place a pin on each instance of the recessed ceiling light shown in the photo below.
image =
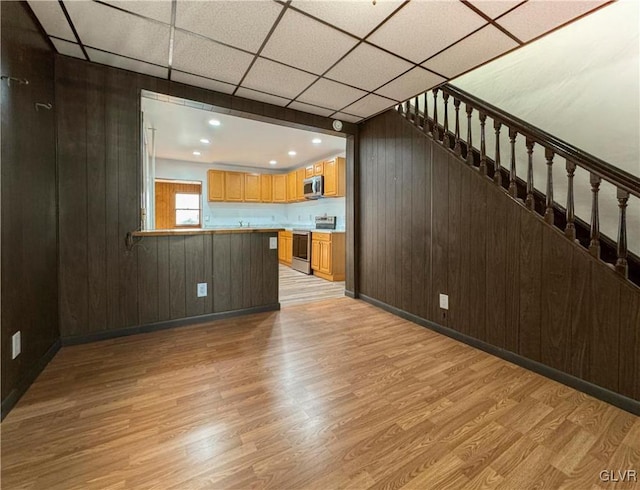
(196, 153)
(316, 141)
(272, 162)
(214, 122)
(205, 141)
(292, 153)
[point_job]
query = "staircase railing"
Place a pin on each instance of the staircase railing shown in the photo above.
(416, 111)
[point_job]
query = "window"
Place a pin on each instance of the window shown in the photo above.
(187, 210)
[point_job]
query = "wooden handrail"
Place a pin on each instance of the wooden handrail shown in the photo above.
(618, 177)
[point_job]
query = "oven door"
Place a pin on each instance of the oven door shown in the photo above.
(301, 246)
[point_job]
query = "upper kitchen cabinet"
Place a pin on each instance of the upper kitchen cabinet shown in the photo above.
(308, 171)
(334, 177)
(266, 188)
(300, 184)
(318, 168)
(215, 181)
(234, 186)
(280, 188)
(252, 188)
(292, 195)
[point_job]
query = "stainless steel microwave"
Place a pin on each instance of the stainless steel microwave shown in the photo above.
(313, 187)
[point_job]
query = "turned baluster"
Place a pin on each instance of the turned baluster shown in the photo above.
(416, 112)
(529, 201)
(497, 174)
(457, 147)
(483, 147)
(594, 244)
(548, 212)
(407, 110)
(513, 189)
(435, 131)
(469, 142)
(426, 128)
(445, 137)
(621, 262)
(570, 229)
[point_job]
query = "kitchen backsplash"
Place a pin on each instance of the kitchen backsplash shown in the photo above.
(300, 214)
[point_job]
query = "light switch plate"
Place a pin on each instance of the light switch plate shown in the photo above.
(16, 345)
(444, 301)
(202, 289)
(273, 242)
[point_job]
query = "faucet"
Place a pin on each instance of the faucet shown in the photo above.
(240, 223)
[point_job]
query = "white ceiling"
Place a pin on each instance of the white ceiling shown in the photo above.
(347, 59)
(180, 125)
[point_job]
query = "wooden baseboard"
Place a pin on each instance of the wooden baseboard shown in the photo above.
(12, 398)
(329, 277)
(620, 401)
(152, 327)
(350, 294)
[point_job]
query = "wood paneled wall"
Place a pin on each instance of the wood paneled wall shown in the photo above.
(431, 225)
(103, 286)
(29, 226)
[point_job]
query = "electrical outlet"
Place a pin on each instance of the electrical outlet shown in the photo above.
(273, 242)
(202, 289)
(444, 301)
(16, 345)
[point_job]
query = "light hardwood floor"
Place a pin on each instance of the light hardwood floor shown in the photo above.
(298, 288)
(333, 394)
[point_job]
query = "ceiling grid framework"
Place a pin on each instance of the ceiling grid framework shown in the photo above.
(348, 60)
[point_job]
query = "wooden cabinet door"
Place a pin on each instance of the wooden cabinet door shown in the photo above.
(215, 185)
(315, 255)
(318, 168)
(234, 186)
(281, 245)
(330, 178)
(279, 188)
(291, 187)
(325, 257)
(300, 184)
(288, 249)
(266, 188)
(308, 172)
(252, 187)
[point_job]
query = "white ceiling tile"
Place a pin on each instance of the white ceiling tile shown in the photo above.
(472, 51)
(52, 19)
(368, 67)
(118, 32)
(327, 93)
(261, 97)
(358, 17)
(537, 16)
(415, 81)
(241, 24)
(347, 117)
(126, 63)
(154, 9)
(67, 48)
(307, 44)
(494, 8)
(200, 56)
(196, 81)
(299, 106)
(369, 105)
(277, 79)
(421, 29)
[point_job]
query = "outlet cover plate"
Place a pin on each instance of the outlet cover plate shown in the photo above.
(16, 344)
(273, 242)
(444, 301)
(202, 289)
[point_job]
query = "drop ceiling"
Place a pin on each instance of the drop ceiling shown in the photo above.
(346, 59)
(180, 124)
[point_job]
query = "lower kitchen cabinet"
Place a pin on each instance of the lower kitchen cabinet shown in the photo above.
(285, 247)
(328, 255)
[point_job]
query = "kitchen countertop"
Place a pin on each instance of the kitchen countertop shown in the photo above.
(203, 231)
(314, 230)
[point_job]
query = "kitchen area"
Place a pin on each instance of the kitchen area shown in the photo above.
(206, 172)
